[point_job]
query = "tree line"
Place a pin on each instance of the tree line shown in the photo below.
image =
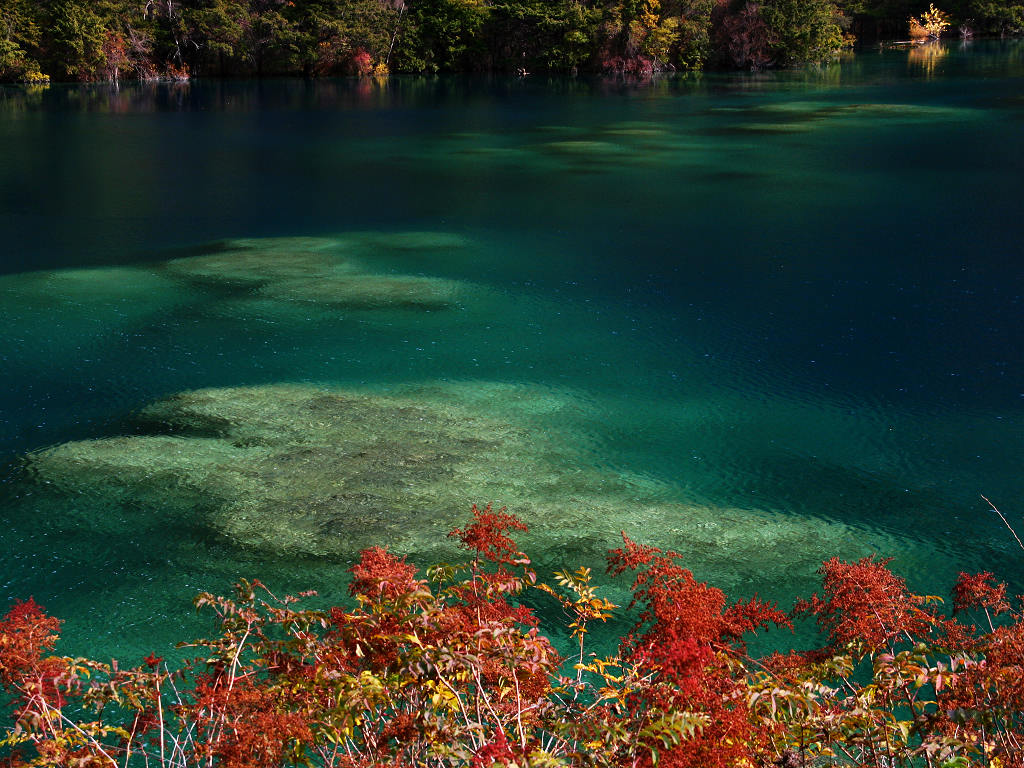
(109, 40)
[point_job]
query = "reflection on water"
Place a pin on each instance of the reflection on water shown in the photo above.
(926, 57)
(249, 327)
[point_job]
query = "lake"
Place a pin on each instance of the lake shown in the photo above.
(762, 319)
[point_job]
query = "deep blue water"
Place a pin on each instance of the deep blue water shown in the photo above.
(790, 302)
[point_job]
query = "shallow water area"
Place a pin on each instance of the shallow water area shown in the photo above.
(761, 319)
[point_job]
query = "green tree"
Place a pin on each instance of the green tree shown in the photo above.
(538, 35)
(647, 35)
(372, 26)
(623, 35)
(328, 36)
(19, 35)
(879, 18)
(268, 41)
(75, 45)
(682, 37)
(218, 28)
(320, 37)
(993, 16)
(443, 36)
(803, 31)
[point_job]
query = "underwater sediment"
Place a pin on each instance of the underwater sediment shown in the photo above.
(315, 471)
(321, 471)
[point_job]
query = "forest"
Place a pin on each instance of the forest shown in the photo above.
(112, 40)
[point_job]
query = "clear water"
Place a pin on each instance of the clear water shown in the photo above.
(762, 319)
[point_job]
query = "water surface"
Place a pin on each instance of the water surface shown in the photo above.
(763, 319)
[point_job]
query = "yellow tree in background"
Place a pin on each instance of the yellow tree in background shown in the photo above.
(931, 25)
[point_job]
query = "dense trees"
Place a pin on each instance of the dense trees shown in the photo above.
(19, 34)
(112, 39)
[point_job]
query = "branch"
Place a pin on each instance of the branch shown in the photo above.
(1005, 521)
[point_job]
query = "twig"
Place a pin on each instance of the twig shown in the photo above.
(1005, 521)
(88, 737)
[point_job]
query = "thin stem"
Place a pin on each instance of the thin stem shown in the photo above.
(1005, 521)
(95, 743)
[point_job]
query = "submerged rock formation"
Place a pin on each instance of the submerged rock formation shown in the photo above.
(329, 272)
(322, 471)
(258, 261)
(303, 470)
(804, 116)
(368, 291)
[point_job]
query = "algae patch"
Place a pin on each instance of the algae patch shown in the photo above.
(413, 240)
(805, 116)
(368, 291)
(334, 273)
(299, 469)
(99, 293)
(302, 470)
(256, 261)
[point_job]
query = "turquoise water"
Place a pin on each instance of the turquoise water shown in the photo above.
(761, 319)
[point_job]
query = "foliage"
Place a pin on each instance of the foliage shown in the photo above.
(994, 16)
(443, 35)
(744, 40)
(691, 645)
(19, 33)
(932, 24)
(453, 670)
(76, 41)
(536, 35)
(803, 31)
(90, 40)
(95, 40)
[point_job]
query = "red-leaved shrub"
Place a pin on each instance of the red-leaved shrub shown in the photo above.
(454, 670)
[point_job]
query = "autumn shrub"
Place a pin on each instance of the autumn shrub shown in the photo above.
(931, 25)
(451, 668)
(742, 37)
(361, 63)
